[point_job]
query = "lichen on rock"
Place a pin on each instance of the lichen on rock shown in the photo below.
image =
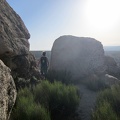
(7, 92)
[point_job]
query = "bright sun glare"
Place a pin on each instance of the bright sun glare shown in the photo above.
(102, 14)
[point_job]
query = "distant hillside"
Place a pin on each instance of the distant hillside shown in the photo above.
(109, 51)
(38, 54)
(112, 48)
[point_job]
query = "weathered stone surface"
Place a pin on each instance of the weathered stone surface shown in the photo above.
(23, 65)
(13, 33)
(14, 52)
(14, 45)
(7, 92)
(112, 67)
(79, 55)
(111, 80)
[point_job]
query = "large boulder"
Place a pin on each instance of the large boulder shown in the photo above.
(81, 56)
(7, 92)
(14, 45)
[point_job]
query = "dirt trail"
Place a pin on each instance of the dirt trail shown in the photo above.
(87, 102)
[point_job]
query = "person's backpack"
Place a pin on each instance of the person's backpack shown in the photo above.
(43, 61)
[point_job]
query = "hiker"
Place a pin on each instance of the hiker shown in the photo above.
(44, 63)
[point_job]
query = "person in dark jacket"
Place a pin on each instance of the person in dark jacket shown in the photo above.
(44, 64)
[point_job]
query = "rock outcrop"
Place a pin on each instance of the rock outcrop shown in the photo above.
(14, 52)
(14, 45)
(79, 55)
(112, 67)
(7, 92)
(111, 80)
(13, 33)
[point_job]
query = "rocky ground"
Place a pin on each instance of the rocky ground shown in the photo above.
(87, 102)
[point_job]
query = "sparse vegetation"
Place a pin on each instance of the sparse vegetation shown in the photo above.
(108, 103)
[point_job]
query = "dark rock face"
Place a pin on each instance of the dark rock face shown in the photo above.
(7, 92)
(14, 45)
(79, 55)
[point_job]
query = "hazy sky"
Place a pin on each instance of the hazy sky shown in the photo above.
(47, 20)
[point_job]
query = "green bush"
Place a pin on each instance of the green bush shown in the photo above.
(27, 109)
(60, 75)
(61, 100)
(104, 111)
(46, 101)
(25, 92)
(108, 104)
(112, 95)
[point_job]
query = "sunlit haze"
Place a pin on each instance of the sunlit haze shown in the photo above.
(47, 20)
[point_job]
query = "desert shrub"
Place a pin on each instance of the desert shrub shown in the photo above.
(27, 109)
(104, 111)
(61, 100)
(25, 93)
(60, 75)
(46, 101)
(111, 97)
